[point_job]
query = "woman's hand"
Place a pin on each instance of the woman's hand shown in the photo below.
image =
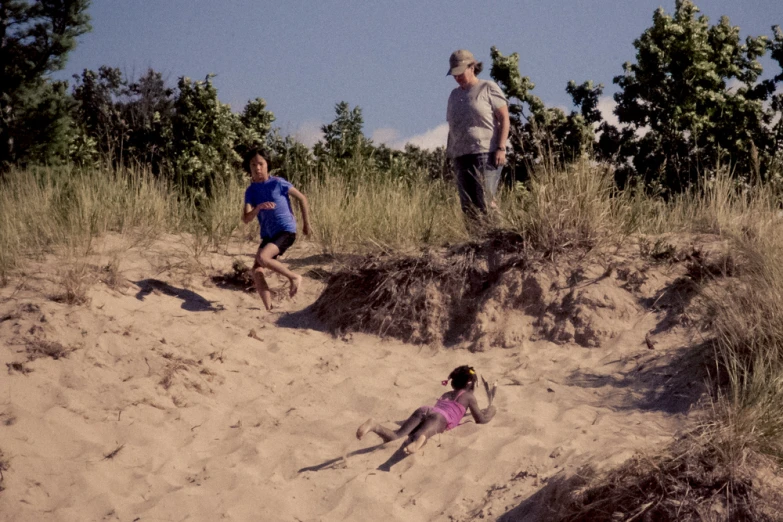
(500, 157)
(266, 205)
(306, 230)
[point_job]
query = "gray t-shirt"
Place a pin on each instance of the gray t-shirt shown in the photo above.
(473, 128)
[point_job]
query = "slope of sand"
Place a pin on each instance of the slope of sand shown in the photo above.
(166, 396)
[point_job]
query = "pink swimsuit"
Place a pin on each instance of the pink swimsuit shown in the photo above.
(451, 410)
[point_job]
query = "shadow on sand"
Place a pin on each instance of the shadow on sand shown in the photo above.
(669, 385)
(302, 319)
(335, 463)
(191, 301)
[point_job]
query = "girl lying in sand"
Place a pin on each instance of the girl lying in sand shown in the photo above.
(445, 415)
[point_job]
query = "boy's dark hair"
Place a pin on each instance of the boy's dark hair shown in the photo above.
(463, 376)
(252, 153)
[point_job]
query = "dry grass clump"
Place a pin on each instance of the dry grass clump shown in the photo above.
(17, 367)
(174, 364)
(701, 478)
(748, 321)
(421, 299)
(39, 348)
(111, 275)
(75, 283)
(182, 371)
(240, 277)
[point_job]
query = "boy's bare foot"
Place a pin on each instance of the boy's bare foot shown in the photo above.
(295, 284)
(365, 428)
(416, 445)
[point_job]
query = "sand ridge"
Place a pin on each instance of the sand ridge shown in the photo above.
(176, 398)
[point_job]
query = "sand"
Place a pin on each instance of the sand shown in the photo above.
(174, 398)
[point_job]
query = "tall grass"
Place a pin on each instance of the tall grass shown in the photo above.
(44, 208)
(213, 221)
(562, 208)
(749, 327)
(381, 213)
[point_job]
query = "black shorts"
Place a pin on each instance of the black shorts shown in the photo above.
(283, 241)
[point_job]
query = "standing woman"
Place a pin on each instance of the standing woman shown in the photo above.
(478, 120)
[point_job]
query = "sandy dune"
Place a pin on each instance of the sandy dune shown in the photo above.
(168, 397)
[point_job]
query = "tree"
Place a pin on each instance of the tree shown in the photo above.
(130, 123)
(774, 115)
(34, 41)
(683, 115)
(290, 158)
(257, 122)
(204, 133)
(149, 113)
(98, 110)
(343, 137)
(540, 133)
(208, 138)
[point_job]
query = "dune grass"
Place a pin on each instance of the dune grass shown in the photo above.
(45, 209)
(382, 214)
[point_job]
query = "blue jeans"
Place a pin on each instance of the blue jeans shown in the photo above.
(477, 182)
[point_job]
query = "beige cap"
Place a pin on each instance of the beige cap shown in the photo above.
(459, 61)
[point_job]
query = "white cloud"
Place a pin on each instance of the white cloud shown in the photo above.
(308, 133)
(431, 139)
(385, 135)
(428, 140)
(606, 105)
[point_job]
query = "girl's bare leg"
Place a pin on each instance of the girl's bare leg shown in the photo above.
(416, 445)
(371, 426)
(265, 258)
(388, 435)
(432, 425)
(262, 287)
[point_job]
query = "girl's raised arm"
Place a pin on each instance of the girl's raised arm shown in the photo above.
(479, 415)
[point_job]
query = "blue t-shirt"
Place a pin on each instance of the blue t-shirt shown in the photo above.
(276, 220)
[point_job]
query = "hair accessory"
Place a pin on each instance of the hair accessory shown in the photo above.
(472, 371)
(444, 383)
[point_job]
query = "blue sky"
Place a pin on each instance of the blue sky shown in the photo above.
(390, 57)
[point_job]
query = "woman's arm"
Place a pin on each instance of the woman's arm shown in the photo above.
(505, 124)
(302, 199)
(479, 415)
